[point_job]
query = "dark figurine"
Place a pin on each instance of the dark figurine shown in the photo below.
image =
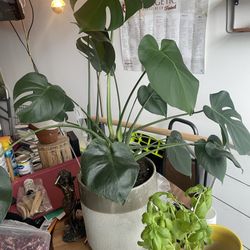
(74, 225)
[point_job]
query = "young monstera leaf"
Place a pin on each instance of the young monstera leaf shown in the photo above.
(43, 101)
(167, 73)
(99, 50)
(5, 193)
(212, 156)
(154, 102)
(222, 111)
(91, 16)
(109, 170)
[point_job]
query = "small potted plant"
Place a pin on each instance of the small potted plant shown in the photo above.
(169, 225)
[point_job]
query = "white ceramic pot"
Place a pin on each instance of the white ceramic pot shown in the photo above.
(111, 226)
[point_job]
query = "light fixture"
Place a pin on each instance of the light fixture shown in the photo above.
(57, 6)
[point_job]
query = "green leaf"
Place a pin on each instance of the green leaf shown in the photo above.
(179, 155)
(222, 111)
(99, 51)
(6, 193)
(43, 100)
(167, 73)
(155, 104)
(91, 16)
(210, 156)
(109, 170)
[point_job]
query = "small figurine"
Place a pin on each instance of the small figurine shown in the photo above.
(74, 223)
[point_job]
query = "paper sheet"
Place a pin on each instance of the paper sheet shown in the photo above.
(181, 20)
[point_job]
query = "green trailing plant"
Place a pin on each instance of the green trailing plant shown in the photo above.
(109, 165)
(169, 225)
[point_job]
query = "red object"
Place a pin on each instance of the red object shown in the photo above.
(49, 176)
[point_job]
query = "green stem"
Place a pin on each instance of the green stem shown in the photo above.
(97, 99)
(130, 131)
(130, 113)
(91, 122)
(60, 125)
(118, 94)
(142, 155)
(109, 113)
(89, 96)
(127, 102)
(164, 119)
(118, 131)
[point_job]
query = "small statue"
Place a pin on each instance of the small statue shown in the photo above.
(74, 223)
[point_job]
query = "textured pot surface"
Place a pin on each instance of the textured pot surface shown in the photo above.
(137, 198)
(111, 226)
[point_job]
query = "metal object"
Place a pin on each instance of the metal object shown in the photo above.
(200, 175)
(230, 17)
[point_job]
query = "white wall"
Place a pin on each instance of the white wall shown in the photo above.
(227, 67)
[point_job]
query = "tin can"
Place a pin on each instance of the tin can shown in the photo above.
(24, 164)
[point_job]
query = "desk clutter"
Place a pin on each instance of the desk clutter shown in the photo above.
(33, 153)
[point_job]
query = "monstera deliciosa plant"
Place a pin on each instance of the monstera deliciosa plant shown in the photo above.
(109, 163)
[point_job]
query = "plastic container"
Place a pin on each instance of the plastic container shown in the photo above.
(24, 164)
(17, 235)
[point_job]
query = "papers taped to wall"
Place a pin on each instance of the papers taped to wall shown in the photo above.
(179, 20)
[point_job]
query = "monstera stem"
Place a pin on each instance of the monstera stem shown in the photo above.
(89, 98)
(109, 113)
(128, 135)
(127, 102)
(165, 119)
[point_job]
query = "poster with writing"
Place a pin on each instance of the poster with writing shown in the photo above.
(181, 20)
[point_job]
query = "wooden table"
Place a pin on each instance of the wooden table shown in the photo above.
(59, 244)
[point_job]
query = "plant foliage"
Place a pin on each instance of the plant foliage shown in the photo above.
(172, 226)
(109, 165)
(6, 193)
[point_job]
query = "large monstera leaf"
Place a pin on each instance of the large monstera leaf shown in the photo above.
(43, 101)
(222, 111)
(109, 170)
(212, 156)
(5, 193)
(167, 73)
(99, 50)
(91, 16)
(154, 102)
(179, 155)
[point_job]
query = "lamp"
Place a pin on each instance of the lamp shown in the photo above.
(57, 6)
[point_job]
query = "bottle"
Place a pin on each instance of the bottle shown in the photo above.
(2, 158)
(9, 153)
